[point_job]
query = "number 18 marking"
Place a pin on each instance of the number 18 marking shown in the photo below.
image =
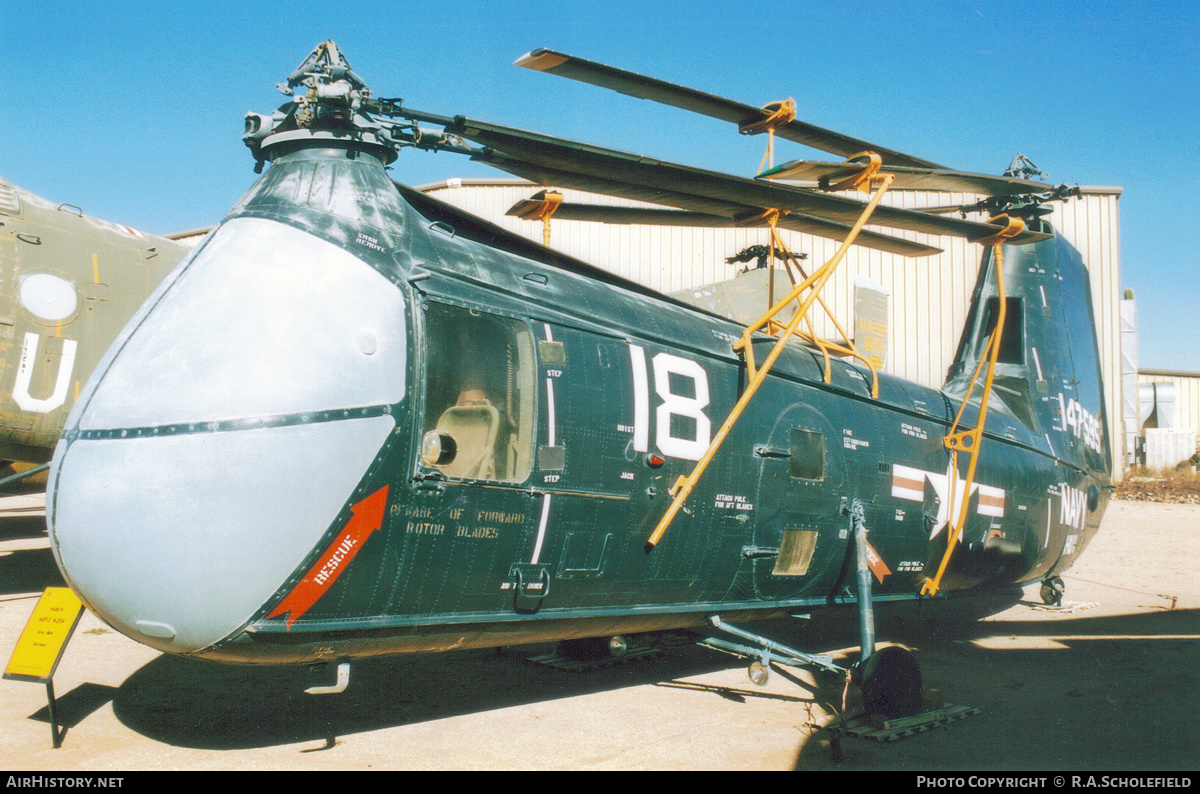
(665, 365)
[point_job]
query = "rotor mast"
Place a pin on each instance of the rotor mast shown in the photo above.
(335, 108)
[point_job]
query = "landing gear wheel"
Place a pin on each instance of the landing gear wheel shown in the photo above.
(758, 673)
(592, 648)
(1052, 591)
(891, 683)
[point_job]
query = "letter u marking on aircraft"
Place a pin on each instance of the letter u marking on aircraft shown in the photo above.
(29, 351)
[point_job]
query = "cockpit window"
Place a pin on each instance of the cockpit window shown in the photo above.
(1012, 341)
(480, 395)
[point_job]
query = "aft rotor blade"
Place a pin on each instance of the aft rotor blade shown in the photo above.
(908, 178)
(943, 210)
(649, 177)
(652, 216)
(643, 87)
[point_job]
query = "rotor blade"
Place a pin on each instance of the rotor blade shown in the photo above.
(908, 178)
(942, 210)
(700, 209)
(643, 87)
(553, 177)
(650, 216)
(658, 177)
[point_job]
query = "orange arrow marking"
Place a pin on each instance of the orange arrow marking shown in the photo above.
(367, 518)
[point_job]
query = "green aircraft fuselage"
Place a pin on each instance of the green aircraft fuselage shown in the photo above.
(365, 423)
(69, 283)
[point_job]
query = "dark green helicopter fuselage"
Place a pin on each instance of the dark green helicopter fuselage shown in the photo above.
(547, 409)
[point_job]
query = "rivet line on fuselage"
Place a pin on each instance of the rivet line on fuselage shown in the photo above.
(251, 423)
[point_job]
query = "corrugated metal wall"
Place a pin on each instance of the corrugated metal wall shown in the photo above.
(1187, 394)
(929, 296)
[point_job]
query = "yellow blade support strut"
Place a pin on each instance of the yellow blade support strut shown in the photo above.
(778, 114)
(542, 207)
(969, 441)
(813, 284)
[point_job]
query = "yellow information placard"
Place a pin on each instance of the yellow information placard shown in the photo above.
(45, 636)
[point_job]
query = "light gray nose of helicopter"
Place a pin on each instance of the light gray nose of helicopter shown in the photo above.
(224, 432)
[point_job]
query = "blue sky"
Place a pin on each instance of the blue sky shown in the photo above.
(134, 110)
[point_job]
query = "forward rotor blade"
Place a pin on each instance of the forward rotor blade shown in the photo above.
(908, 178)
(650, 216)
(651, 178)
(643, 87)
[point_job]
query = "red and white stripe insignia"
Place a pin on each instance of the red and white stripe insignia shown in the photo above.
(991, 501)
(908, 483)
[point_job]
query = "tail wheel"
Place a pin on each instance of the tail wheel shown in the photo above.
(1052, 591)
(891, 683)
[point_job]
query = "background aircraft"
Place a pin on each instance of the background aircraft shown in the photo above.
(68, 283)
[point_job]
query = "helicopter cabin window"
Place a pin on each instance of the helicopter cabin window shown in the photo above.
(480, 395)
(807, 452)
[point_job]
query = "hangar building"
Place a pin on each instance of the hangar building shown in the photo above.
(1168, 416)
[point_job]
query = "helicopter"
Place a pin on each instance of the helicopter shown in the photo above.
(357, 421)
(71, 282)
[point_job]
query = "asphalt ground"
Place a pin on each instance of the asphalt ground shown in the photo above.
(1107, 684)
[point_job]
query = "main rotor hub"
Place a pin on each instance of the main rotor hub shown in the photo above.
(332, 110)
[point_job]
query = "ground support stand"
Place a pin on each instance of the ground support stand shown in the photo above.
(877, 729)
(635, 653)
(1066, 607)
